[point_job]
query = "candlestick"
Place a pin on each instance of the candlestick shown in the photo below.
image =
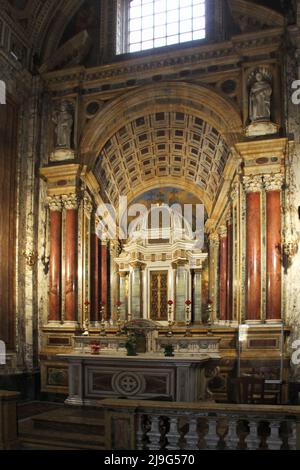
(86, 319)
(103, 329)
(170, 320)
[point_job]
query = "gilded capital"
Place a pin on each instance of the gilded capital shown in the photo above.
(70, 201)
(55, 203)
(234, 191)
(223, 231)
(273, 182)
(88, 205)
(214, 238)
(253, 184)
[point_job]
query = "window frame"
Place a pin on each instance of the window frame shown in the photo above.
(124, 27)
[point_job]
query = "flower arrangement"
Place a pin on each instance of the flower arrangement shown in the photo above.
(169, 350)
(95, 348)
(130, 345)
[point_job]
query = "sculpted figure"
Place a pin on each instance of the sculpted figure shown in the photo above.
(260, 100)
(64, 125)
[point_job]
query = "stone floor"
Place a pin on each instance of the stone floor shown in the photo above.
(46, 426)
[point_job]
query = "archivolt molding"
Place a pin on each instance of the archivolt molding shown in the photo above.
(64, 16)
(200, 101)
(251, 16)
(174, 134)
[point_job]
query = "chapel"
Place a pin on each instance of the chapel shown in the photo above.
(149, 224)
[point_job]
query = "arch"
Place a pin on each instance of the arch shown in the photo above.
(174, 182)
(198, 100)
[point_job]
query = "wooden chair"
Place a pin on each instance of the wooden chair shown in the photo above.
(250, 390)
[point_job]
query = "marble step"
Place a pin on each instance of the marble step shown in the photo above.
(89, 422)
(50, 439)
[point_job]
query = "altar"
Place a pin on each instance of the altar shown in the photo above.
(146, 376)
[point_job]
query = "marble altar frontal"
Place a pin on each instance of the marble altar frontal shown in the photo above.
(147, 376)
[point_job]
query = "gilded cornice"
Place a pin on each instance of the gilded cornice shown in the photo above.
(207, 55)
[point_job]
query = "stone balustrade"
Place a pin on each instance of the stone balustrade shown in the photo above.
(200, 426)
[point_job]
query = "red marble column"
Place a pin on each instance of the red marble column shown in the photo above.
(104, 280)
(273, 256)
(253, 257)
(55, 262)
(95, 278)
(229, 272)
(223, 274)
(71, 254)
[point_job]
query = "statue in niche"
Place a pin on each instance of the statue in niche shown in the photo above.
(63, 120)
(260, 99)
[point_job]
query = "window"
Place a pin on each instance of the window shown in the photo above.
(158, 23)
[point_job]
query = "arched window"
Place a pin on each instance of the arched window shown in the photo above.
(159, 23)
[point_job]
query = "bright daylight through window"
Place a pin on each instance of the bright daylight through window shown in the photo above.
(158, 23)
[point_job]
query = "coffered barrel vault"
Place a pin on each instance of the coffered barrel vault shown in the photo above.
(156, 147)
(176, 133)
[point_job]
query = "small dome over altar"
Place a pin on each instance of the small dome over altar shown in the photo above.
(167, 224)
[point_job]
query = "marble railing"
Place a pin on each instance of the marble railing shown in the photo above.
(210, 426)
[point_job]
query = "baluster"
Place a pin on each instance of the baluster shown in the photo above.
(140, 433)
(154, 434)
(212, 438)
(286, 434)
(293, 439)
(232, 438)
(144, 423)
(192, 436)
(253, 440)
(273, 441)
(222, 431)
(183, 427)
(203, 428)
(164, 427)
(243, 431)
(173, 434)
(264, 433)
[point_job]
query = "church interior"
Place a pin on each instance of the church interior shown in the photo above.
(149, 224)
